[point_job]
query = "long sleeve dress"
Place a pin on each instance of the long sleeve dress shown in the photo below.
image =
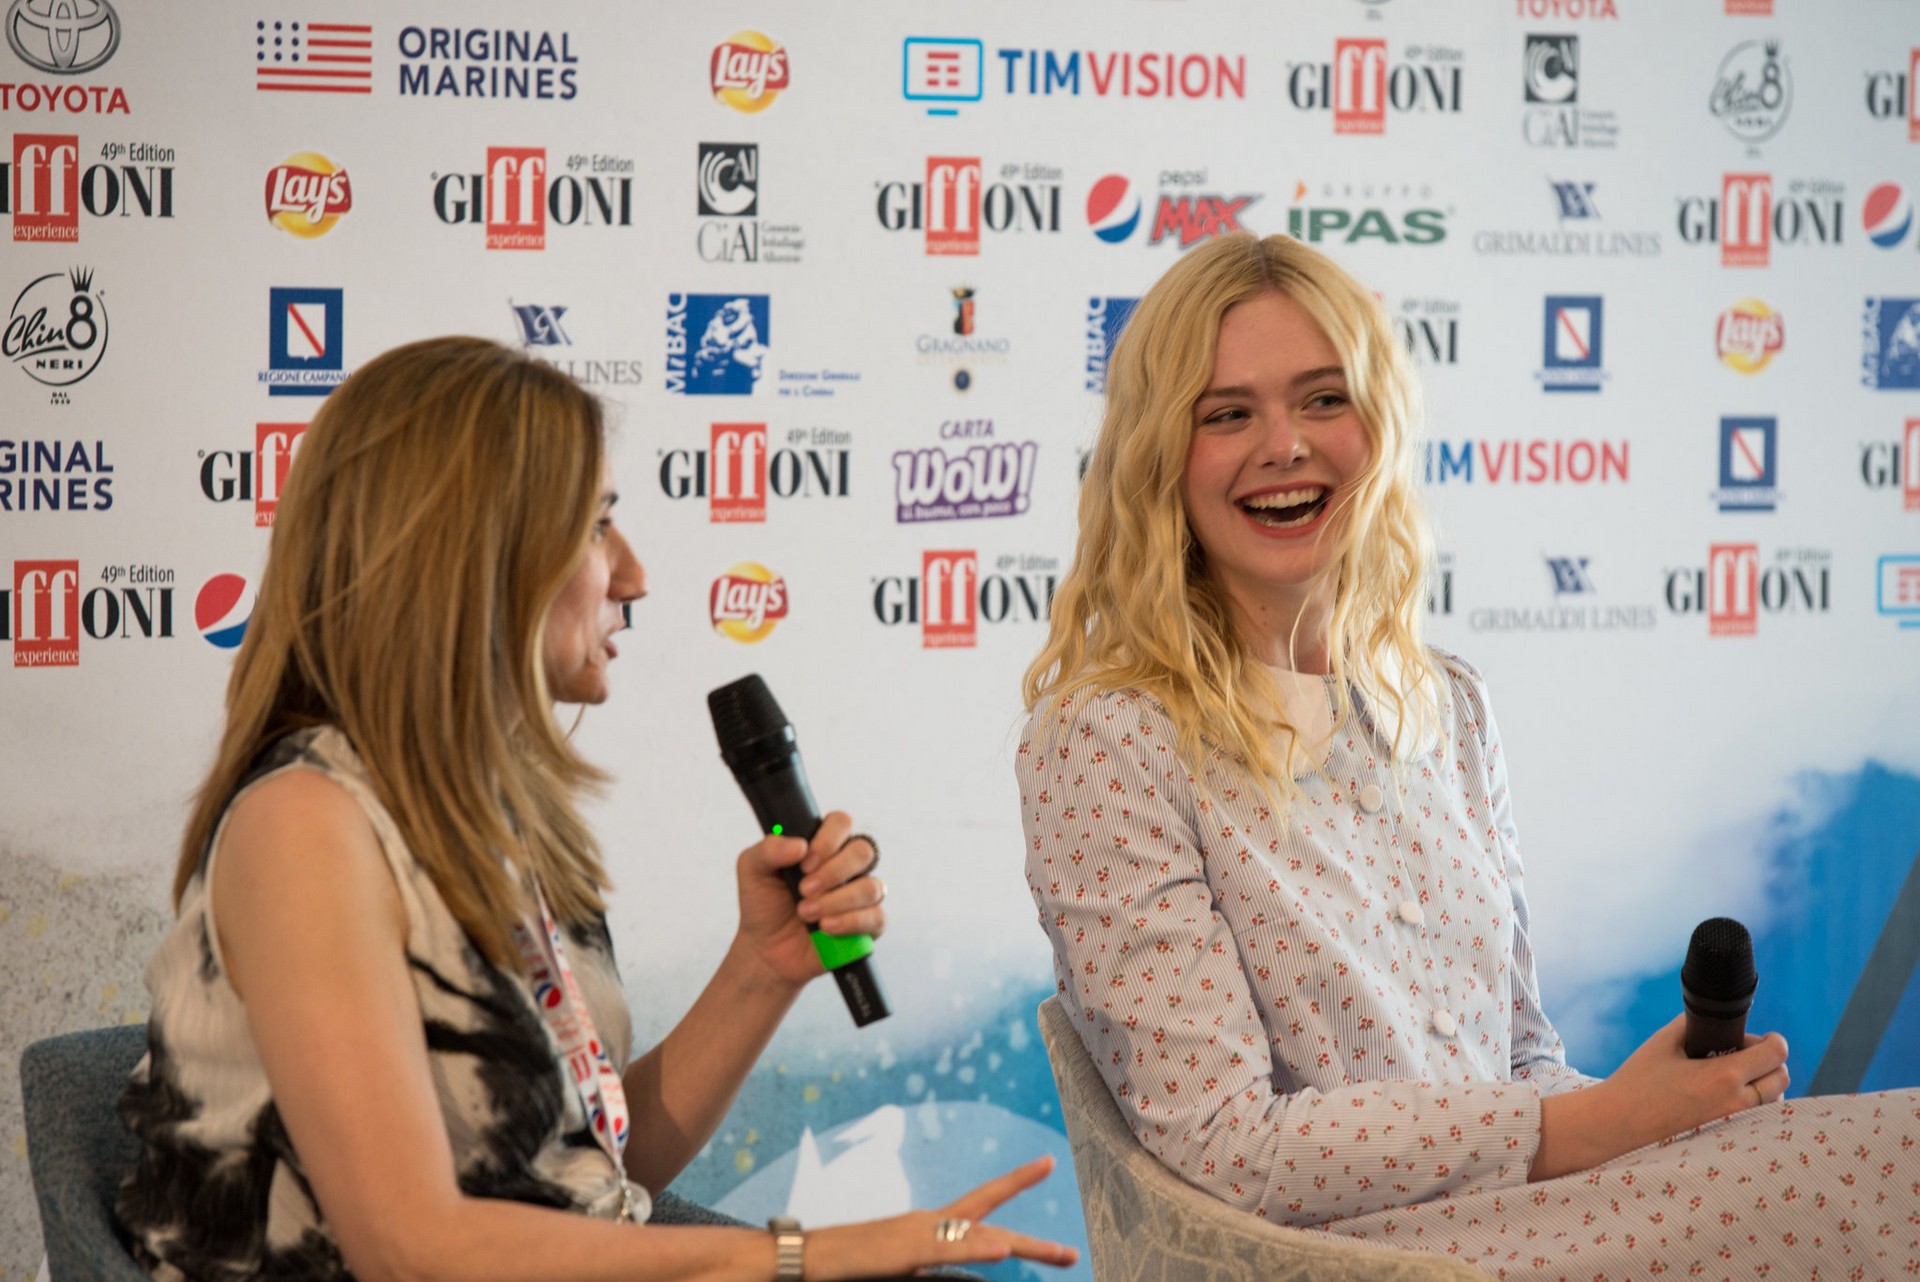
(1330, 1018)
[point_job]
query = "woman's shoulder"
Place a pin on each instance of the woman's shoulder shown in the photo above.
(1094, 707)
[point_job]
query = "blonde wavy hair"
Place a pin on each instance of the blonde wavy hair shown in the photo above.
(440, 499)
(1138, 609)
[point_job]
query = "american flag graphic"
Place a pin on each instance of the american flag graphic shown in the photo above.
(313, 57)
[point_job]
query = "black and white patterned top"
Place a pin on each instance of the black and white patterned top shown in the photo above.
(219, 1192)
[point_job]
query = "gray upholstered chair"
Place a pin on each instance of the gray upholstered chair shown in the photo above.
(1146, 1224)
(78, 1150)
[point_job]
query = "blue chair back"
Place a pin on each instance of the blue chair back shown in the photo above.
(78, 1150)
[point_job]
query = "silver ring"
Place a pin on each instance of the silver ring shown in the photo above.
(871, 843)
(951, 1230)
(883, 892)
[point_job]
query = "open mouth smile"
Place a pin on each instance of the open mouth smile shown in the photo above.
(1287, 509)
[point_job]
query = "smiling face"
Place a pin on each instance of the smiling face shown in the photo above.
(578, 642)
(1276, 452)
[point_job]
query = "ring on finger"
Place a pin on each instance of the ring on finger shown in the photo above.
(1759, 1096)
(883, 891)
(871, 845)
(951, 1230)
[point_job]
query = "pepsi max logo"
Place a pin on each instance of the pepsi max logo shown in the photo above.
(1113, 209)
(221, 610)
(1887, 215)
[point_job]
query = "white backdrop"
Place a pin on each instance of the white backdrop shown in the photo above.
(1657, 264)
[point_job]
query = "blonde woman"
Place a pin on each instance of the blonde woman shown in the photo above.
(388, 1039)
(1270, 839)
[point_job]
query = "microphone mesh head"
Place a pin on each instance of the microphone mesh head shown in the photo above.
(1719, 964)
(743, 711)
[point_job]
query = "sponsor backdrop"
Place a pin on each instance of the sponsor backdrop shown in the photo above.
(849, 284)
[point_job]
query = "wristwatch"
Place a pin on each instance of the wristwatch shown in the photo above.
(789, 1241)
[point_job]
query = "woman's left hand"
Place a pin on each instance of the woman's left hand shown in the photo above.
(837, 896)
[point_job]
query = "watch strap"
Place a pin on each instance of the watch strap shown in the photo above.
(789, 1245)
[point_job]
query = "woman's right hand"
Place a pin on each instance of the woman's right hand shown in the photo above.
(901, 1245)
(1656, 1094)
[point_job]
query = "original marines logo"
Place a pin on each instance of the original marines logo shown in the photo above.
(57, 331)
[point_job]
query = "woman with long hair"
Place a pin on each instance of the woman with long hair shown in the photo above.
(387, 1036)
(1271, 842)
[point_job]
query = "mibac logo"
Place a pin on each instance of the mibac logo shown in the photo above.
(1105, 319)
(954, 203)
(44, 187)
(306, 194)
(517, 195)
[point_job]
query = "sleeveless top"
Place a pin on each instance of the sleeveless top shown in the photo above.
(219, 1191)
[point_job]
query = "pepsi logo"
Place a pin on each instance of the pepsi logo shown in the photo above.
(1887, 215)
(222, 609)
(1113, 209)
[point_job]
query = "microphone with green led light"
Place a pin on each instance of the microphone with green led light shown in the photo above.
(758, 745)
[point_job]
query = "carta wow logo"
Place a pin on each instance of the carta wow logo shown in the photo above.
(736, 472)
(259, 474)
(950, 598)
(306, 329)
(222, 609)
(45, 613)
(747, 601)
(517, 196)
(1734, 588)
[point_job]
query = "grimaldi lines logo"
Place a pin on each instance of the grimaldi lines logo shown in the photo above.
(1576, 605)
(257, 476)
(49, 609)
(950, 597)
(1579, 230)
(950, 72)
(730, 353)
(488, 62)
(737, 471)
(63, 39)
(517, 197)
(971, 474)
(953, 203)
(1738, 586)
(1895, 95)
(45, 188)
(1895, 465)
(1362, 84)
(544, 334)
(1748, 335)
(307, 194)
(1189, 209)
(1752, 213)
(55, 476)
(56, 331)
(747, 601)
(1106, 317)
(749, 70)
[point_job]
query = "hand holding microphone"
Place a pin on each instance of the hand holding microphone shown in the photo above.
(1717, 985)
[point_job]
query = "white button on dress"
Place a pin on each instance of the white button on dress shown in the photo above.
(1444, 1023)
(1411, 914)
(1371, 798)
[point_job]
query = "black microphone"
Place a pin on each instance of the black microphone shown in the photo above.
(1717, 984)
(757, 743)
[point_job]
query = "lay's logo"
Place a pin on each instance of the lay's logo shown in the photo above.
(748, 600)
(749, 71)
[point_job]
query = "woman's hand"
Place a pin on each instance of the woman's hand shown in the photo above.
(1657, 1093)
(837, 896)
(897, 1247)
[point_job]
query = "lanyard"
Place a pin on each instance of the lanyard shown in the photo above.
(556, 994)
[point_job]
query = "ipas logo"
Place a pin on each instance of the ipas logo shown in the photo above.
(1360, 85)
(313, 57)
(57, 329)
(731, 353)
(950, 598)
(747, 601)
(1105, 319)
(45, 613)
(306, 341)
(258, 475)
(954, 203)
(1749, 335)
(55, 476)
(1749, 464)
(518, 197)
(307, 194)
(1752, 91)
(1389, 213)
(1886, 215)
(1888, 465)
(737, 471)
(63, 38)
(222, 609)
(1895, 95)
(1890, 344)
(749, 71)
(1554, 115)
(1748, 217)
(1735, 587)
(1572, 357)
(45, 189)
(942, 72)
(983, 480)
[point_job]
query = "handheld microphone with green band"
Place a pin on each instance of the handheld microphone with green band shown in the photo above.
(758, 745)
